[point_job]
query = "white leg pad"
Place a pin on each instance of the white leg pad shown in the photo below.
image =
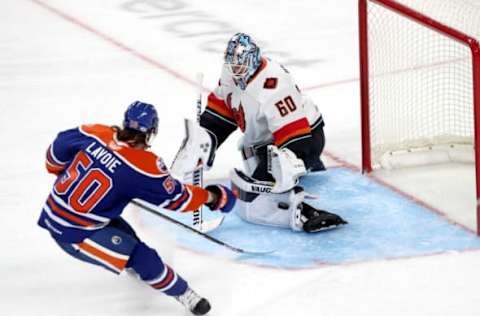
(258, 206)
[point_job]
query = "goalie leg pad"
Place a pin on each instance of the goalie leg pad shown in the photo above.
(256, 203)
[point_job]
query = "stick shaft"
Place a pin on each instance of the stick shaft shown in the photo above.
(198, 173)
(174, 221)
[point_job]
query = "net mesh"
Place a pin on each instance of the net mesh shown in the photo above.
(420, 81)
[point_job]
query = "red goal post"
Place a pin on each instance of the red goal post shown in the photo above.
(419, 79)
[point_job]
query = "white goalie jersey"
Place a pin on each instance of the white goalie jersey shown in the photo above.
(271, 109)
(283, 136)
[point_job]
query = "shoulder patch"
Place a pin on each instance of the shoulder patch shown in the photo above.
(270, 83)
(161, 165)
(169, 184)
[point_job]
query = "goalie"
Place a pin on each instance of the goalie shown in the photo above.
(283, 139)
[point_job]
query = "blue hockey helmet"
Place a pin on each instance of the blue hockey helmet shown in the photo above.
(143, 118)
(242, 58)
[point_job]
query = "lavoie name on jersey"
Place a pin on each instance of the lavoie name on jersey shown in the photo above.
(104, 156)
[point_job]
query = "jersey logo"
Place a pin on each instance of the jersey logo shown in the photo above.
(161, 165)
(169, 184)
(270, 83)
(239, 116)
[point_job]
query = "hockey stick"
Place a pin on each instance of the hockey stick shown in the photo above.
(218, 242)
(198, 172)
(197, 176)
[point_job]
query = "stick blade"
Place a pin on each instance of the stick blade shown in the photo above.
(255, 252)
(210, 225)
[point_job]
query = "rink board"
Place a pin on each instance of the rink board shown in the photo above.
(382, 225)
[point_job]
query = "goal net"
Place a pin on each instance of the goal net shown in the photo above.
(420, 88)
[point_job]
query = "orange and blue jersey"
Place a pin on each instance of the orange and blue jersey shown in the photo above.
(97, 176)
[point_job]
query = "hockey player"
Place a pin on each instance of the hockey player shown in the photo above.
(99, 170)
(282, 138)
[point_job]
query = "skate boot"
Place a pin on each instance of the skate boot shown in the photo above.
(194, 302)
(316, 220)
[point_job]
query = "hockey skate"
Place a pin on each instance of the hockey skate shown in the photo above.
(196, 304)
(315, 220)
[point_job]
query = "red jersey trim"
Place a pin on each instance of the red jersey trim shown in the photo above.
(219, 106)
(176, 204)
(63, 213)
(169, 277)
(292, 130)
(51, 163)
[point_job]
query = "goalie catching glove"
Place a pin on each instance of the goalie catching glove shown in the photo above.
(222, 198)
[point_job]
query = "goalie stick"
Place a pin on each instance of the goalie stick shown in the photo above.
(212, 239)
(197, 176)
(198, 172)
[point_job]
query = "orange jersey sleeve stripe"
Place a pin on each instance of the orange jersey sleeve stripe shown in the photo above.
(175, 204)
(116, 262)
(51, 159)
(294, 129)
(55, 169)
(199, 197)
(51, 165)
(219, 106)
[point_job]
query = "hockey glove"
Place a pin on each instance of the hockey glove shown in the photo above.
(198, 148)
(224, 199)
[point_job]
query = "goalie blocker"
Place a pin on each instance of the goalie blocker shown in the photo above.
(198, 149)
(257, 204)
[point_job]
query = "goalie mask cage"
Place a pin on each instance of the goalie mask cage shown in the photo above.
(419, 80)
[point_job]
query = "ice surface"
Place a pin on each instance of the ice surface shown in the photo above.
(383, 224)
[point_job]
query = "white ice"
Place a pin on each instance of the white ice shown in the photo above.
(85, 61)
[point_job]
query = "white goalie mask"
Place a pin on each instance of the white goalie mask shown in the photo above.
(242, 58)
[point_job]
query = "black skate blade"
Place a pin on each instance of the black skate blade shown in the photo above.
(331, 227)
